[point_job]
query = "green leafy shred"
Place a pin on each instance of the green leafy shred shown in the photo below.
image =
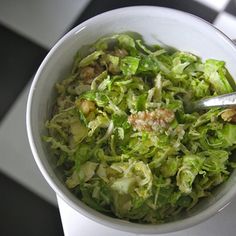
(120, 133)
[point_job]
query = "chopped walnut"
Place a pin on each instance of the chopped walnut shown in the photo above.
(88, 73)
(98, 68)
(120, 53)
(229, 115)
(151, 120)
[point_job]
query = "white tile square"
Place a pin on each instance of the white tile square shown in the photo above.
(227, 24)
(75, 224)
(43, 21)
(16, 159)
(217, 5)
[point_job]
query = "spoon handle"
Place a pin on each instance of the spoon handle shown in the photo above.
(226, 100)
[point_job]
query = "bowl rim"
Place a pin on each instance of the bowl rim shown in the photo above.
(60, 189)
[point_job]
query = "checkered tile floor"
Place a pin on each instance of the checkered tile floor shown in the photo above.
(28, 29)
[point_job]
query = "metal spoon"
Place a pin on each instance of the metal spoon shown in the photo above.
(226, 100)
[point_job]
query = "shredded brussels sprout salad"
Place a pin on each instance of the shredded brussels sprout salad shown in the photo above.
(121, 136)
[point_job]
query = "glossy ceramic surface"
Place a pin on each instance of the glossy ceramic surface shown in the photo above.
(156, 25)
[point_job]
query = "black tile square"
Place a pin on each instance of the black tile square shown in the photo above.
(24, 213)
(19, 59)
(231, 8)
(96, 7)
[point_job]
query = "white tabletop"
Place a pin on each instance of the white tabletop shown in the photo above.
(74, 224)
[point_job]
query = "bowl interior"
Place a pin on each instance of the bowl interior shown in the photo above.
(157, 26)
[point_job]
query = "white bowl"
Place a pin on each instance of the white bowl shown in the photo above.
(177, 29)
